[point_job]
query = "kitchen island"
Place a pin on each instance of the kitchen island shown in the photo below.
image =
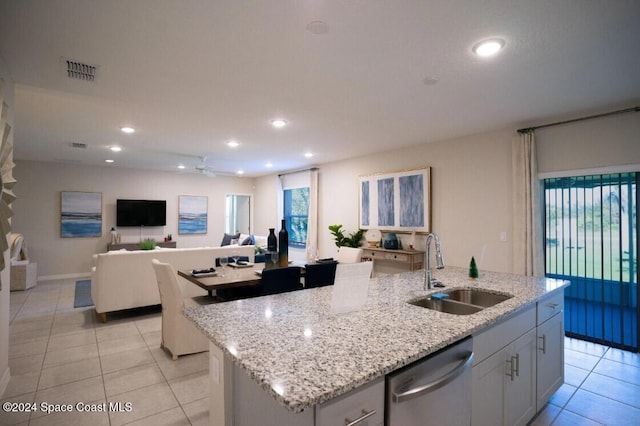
(300, 354)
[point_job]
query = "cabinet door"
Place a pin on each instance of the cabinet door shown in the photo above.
(487, 390)
(550, 358)
(520, 383)
(365, 403)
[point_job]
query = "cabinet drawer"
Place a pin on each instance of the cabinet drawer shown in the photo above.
(397, 257)
(497, 337)
(550, 306)
(353, 405)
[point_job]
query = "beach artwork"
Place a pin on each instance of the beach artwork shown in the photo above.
(80, 214)
(192, 215)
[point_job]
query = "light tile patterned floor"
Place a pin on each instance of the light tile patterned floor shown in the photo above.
(59, 354)
(602, 387)
(62, 355)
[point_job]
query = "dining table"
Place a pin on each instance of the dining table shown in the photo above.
(229, 277)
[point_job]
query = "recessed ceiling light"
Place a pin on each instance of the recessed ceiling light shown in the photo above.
(269, 164)
(240, 172)
(181, 166)
(488, 47)
(115, 148)
(232, 144)
(318, 27)
(308, 154)
(127, 129)
(278, 123)
(108, 161)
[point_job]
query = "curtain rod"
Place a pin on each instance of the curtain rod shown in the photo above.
(299, 171)
(606, 114)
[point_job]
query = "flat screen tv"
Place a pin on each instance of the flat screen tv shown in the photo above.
(141, 213)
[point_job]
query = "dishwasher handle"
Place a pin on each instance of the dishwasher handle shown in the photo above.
(436, 384)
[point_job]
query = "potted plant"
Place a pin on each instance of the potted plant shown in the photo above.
(342, 240)
(148, 244)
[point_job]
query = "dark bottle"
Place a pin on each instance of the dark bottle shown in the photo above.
(283, 246)
(271, 255)
(272, 240)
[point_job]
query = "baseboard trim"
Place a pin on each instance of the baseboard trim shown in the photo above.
(64, 276)
(4, 382)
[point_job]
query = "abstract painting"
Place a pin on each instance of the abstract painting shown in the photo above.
(396, 201)
(80, 214)
(192, 215)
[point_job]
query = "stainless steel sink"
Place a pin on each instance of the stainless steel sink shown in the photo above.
(447, 306)
(461, 301)
(477, 297)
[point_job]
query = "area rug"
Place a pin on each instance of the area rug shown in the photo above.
(83, 294)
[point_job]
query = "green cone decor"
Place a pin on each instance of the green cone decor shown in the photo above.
(473, 268)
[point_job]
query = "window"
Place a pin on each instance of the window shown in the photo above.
(591, 240)
(296, 215)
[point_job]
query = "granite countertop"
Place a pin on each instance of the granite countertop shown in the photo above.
(298, 351)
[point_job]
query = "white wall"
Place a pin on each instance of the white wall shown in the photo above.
(471, 201)
(599, 143)
(471, 183)
(5, 276)
(37, 209)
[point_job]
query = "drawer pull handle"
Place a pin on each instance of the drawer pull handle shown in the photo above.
(553, 306)
(365, 415)
(514, 367)
(544, 343)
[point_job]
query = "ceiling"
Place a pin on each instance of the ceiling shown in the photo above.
(191, 75)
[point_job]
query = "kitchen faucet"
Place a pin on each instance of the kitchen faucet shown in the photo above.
(428, 275)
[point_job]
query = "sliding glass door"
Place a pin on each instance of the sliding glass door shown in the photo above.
(591, 239)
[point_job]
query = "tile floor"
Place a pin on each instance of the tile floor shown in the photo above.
(602, 387)
(62, 355)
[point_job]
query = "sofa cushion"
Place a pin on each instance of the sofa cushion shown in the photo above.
(226, 240)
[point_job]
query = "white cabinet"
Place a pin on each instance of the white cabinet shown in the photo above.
(550, 353)
(362, 407)
(503, 389)
(518, 364)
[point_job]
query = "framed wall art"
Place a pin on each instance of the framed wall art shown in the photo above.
(80, 214)
(396, 201)
(192, 214)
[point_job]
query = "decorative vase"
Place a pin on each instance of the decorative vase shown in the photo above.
(390, 241)
(272, 240)
(283, 246)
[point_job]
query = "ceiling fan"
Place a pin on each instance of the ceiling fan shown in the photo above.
(203, 169)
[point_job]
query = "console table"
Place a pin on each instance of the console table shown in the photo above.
(414, 259)
(136, 246)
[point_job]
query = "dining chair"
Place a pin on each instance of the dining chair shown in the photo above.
(349, 255)
(319, 274)
(280, 280)
(179, 335)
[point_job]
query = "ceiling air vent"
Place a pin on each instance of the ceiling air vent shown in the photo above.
(78, 145)
(79, 70)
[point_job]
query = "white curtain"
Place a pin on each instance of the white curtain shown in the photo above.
(312, 220)
(527, 211)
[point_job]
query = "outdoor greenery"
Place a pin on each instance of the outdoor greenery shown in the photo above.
(296, 215)
(342, 240)
(590, 226)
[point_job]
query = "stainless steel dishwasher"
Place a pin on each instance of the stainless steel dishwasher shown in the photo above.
(435, 390)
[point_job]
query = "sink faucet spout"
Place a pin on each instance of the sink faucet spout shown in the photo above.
(428, 274)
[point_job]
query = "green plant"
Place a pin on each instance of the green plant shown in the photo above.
(148, 244)
(342, 240)
(473, 268)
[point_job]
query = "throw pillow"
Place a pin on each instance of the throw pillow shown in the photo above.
(247, 241)
(226, 240)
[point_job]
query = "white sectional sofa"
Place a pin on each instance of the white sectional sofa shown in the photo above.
(125, 279)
